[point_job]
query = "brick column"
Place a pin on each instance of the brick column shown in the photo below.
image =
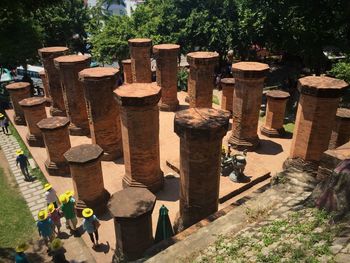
(73, 92)
(166, 56)
(103, 110)
(18, 91)
(86, 171)
(140, 52)
(247, 96)
(127, 71)
(201, 132)
(315, 118)
(47, 56)
(201, 78)
(46, 87)
(341, 130)
(228, 85)
(132, 222)
(34, 111)
(140, 128)
(275, 111)
(56, 138)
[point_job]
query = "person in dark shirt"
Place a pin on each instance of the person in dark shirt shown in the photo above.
(4, 124)
(23, 162)
(20, 256)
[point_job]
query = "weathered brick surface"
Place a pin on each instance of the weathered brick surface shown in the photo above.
(140, 129)
(201, 78)
(140, 53)
(132, 222)
(228, 85)
(47, 55)
(73, 92)
(103, 111)
(86, 171)
(18, 91)
(34, 111)
(57, 142)
(247, 96)
(46, 87)
(201, 132)
(127, 71)
(275, 111)
(166, 56)
(315, 118)
(341, 130)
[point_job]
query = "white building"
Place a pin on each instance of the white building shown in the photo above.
(116, 9)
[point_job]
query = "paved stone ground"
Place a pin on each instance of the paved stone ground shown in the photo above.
(33, 194)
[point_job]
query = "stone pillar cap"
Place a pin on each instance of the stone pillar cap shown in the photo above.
(126, 61)
(277, 94)
(53, 123)
(201, 122)
(203, 58)
(343, 113)
(249, 70)
(138, 94)
(69, 60)
(48, 51)
(132, 202)
(140, 42)
(228, 81)
(33, 101)
(18, 85)
(83, 153)
(42, 73)
(98, 73)
(166, 48)
(324, 87)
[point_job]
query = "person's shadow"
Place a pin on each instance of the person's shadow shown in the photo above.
(102, 247)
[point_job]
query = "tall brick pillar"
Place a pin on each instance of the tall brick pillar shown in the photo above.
(247, 96)
(103, 110)
(228, 85)
(201, 78)
(86, 171)
(45, 82)
(57, 142)
(201, 132)
(18, 91)
(132, 222)
(47, 55)
(275, 111)
(127, 71)
(341, 130)
(166, 56)
(315, 118)
(140, 128)
(34, 111)
(140, 52)
(73, 92)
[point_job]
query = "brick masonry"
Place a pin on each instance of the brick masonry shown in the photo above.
(18, 91)
(46, 87)
(127, 71)
(341, 130)
(227, 85)
(140, 53)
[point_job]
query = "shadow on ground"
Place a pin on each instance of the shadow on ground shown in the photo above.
(170, 190)
(269, 147)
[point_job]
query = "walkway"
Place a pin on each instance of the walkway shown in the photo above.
(33, 193)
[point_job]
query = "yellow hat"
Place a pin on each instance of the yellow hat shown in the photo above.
(87, 212)
(42, 215)
(21, 247)
(47, 187)
(63, 198)
(19, 152)
(69, 193)
(56, 244)
(1, 115)
(51, 208)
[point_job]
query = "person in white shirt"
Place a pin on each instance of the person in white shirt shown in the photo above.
(50, 195)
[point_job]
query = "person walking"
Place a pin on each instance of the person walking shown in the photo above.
(20, 256)
(91, 225)
(68, 209)
(50, 195)
(23, 162)
(57, 251)
(4, 123)
(54, 214)
(45, 227)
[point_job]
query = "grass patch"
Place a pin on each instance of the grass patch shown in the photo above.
(36, 172)
(216, 100)
(289, 127)
(16, 222)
